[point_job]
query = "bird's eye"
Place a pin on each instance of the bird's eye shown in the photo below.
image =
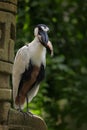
(40, 29)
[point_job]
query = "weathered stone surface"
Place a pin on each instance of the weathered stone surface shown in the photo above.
(10, 51)
(4, 80)
(27, 122)
(19, 127)
(3, 127)
(4, 109)
(5, 67)
(7, 35)
(9, 1)
(5, 94)
(8, 7)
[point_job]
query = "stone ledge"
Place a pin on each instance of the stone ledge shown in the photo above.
(5, 94)
(15, 127)
(5, 67)
(17, 121)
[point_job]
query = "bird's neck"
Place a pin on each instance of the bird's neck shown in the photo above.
(36, 39)
(37, 52)
(38, 45)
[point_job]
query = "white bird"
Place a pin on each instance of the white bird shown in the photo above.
(29, 67)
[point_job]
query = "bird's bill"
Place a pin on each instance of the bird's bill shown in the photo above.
(43, 36)
(50, 47)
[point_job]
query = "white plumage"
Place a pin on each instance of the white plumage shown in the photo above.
(37, 52)
(34, 51)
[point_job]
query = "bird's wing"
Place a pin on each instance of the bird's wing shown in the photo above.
(20, 64)
(33, 92)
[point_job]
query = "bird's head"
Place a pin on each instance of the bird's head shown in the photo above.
(40, 32)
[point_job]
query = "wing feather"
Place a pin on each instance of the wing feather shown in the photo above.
(20, 64)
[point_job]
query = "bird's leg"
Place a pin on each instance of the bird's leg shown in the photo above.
(20, 109)
(27, 103)
(28, 112)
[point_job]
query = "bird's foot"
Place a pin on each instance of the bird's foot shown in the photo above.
(27, 110)
(29, 113)
(22, 112)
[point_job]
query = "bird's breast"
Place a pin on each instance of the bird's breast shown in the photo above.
(37, 55)
(38, 60)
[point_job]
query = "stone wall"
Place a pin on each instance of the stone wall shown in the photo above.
(11, 119)
(8, 10)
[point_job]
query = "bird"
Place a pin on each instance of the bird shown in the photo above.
(29, 67)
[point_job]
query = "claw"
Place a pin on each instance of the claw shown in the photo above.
(22, 112)
(29, 113)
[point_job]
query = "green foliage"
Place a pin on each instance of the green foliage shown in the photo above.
(63, 93)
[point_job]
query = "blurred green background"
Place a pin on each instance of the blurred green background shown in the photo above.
(62, 98)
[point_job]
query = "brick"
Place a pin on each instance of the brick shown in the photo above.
(10, 50)
(4, 111)
(5, 67)
(7, 35)
(8, 7)
(9, 1)
(4, 80)
(5, 94)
